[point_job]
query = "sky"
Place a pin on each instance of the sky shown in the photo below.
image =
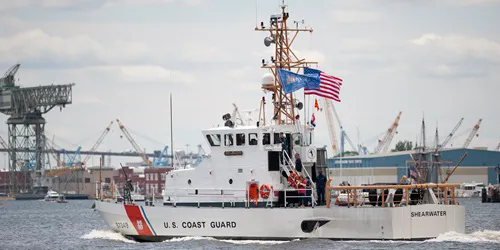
(437, 59)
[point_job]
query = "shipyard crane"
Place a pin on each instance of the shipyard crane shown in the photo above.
(452, 133)
(99, 141)
(383, 145)
(328, 108)
(8, 80)
(134, 144)
(200, 156)
(472, 134)
(343, 133)
(162, 159)
(330, 112)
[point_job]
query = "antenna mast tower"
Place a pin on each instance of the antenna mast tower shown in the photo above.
(282, 36)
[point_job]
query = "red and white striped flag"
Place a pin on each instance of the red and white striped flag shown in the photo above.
(329, 86)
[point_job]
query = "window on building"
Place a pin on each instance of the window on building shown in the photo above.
(240, 139)
(87, 180)
(253, 139)
(266, 139)
(214, 140)
(228, 139)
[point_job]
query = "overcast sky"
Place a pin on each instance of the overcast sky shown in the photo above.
(434, 58)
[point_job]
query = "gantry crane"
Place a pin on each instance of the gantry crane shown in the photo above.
(134, 144)
(99, 141)
(472, 134)
(383, 145)
(8, 80)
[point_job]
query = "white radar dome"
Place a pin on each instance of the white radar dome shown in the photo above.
(267, 80)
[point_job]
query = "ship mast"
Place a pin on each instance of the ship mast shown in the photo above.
(282, 37)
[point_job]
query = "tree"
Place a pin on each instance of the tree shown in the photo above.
(403, 146)
(348, 153)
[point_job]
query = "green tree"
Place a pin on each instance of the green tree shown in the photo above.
(403, 146)
(348, 153)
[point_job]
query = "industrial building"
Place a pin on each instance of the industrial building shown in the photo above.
(478, 166)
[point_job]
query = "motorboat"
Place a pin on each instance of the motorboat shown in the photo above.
(51, 196)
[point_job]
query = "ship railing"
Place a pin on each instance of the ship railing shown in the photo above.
(306, 172)
(229, 196)
(354, 193)
(293, 168)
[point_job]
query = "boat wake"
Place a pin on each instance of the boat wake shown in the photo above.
(106, 235)
(479, 236)
(236, 242)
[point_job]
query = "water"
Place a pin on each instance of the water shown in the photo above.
(74, 225)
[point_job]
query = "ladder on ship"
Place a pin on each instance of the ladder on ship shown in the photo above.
(289, 166)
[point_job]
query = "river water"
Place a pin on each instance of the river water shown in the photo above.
(74, 225)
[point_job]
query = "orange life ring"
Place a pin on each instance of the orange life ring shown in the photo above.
(253, 192)
(265, 190)
(292, 180)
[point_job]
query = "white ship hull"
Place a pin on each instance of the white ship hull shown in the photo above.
(147, 223)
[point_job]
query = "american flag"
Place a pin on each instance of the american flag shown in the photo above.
(329, 86)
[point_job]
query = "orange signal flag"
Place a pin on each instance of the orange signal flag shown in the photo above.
(316, 105)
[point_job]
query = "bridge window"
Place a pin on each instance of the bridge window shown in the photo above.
(266, 139)
(228, 139)
(253, 139)
(214, 140)
(240, 139)
(276, 138)
(297, 139)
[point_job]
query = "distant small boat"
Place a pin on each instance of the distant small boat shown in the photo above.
(467, 190)
(51, 196)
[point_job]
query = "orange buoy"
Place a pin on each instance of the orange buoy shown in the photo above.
(265, 190)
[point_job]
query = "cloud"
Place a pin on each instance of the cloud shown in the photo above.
(473, 47)
(36, 46)
(161, 2)
(355, 16)
(54, 4)
(149, 74)
(85, 5)
(477, 2)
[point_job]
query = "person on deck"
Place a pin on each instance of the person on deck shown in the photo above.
(302, 192)
(308, 191)
(298, 164)
(320, 187)
(284, 146)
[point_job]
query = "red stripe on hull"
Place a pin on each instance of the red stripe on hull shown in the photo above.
(135, 216)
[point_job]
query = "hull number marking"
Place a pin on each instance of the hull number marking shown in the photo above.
(200, 224)
(121, 225)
